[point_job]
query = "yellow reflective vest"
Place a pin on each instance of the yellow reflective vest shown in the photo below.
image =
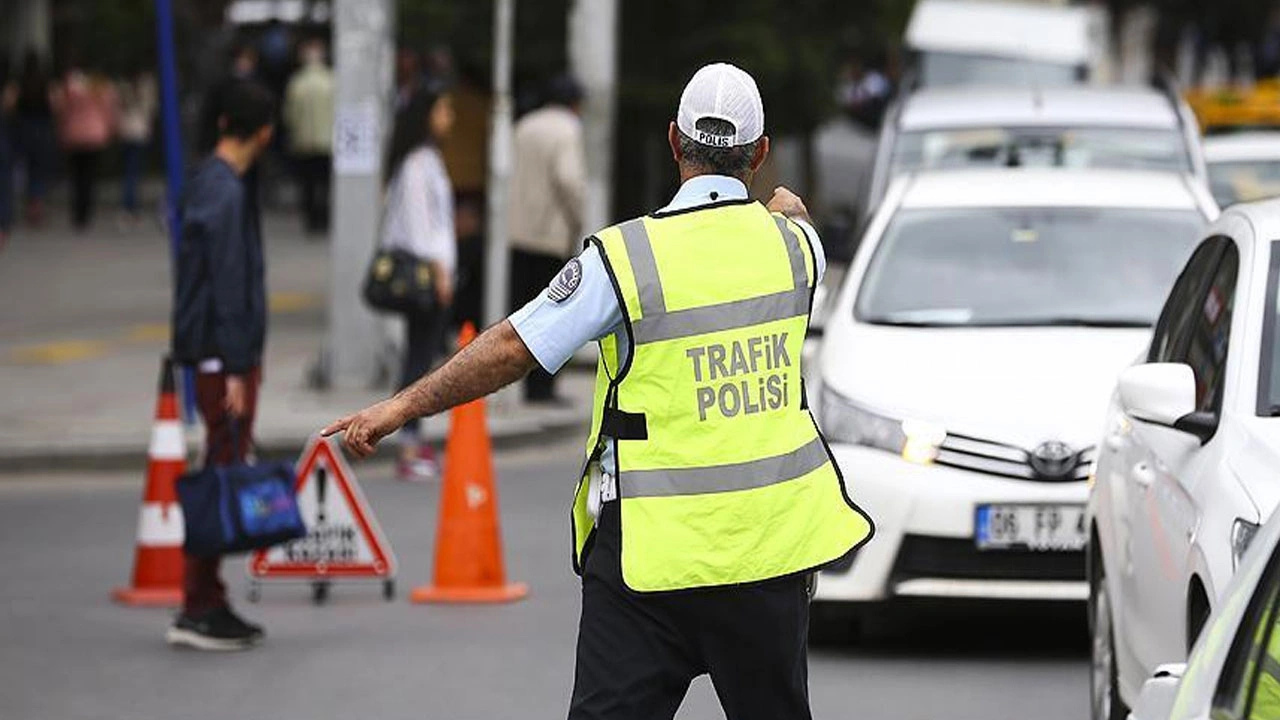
(723, 477)
(1266, 696)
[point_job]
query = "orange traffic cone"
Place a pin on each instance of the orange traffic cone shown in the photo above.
(468, 566)
(157, 566)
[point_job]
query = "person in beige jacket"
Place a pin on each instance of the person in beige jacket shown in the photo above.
(545, 214)
(308, 116)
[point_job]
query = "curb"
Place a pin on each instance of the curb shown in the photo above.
(505, 434)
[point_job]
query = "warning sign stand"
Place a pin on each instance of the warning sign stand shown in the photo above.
(343, 540)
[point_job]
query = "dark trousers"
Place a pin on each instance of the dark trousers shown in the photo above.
(33, 141)
(638, 652)
(530, 274)
(132, 154)
(313, 183)
(83, 165)
(6, 176)
(424, 340)
(202, 589)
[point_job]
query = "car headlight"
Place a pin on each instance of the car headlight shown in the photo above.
(1242, 532)
(915, 440)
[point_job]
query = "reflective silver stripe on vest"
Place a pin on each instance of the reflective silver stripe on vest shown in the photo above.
(725, 478)
(724, 316)
(795, 253)
(644, 267)
(1270, 666)
(657, 324)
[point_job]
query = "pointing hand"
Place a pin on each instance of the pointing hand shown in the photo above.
(362, 431)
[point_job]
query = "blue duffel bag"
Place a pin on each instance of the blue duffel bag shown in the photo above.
(236, 508)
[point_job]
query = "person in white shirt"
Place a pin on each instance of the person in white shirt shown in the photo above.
(139, 102)
(418, 217)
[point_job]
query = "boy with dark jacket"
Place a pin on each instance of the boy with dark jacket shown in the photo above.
(219, 326)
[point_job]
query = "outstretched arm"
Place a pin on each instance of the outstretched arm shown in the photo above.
(495, 359)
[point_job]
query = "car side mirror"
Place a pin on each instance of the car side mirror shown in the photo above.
(1159, 692)
(1165, 394)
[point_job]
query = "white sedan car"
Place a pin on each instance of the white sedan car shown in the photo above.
(1234, 671)
(1189, 462)
(967, 362)
(1243, 167)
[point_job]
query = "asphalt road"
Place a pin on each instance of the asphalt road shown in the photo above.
(67, 653)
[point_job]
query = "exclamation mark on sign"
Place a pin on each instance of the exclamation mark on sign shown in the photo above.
(321, 484)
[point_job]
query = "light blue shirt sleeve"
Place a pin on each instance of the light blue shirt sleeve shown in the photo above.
(553, 331)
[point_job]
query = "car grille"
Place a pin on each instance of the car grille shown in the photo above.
(923, 556)
(1011, 461)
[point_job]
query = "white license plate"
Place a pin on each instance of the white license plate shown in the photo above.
(1031, 527)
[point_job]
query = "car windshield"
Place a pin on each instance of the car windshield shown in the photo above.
(1123, 148)
(1269, 379)
(1026, 266)
(944, 68)
(1233, 182)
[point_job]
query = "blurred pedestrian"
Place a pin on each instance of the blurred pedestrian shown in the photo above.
(419, 218)
(864, 91)
(139, 102)
(707, 496)
(548, 184)
(274, 46)
(308, 116)
(84, 104)
(219, 326)
(408, 76)
(243, 66)
(6, 152)
(33, 133)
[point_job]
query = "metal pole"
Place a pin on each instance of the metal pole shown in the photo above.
(171, 137)
(362, 62)
(495, 295)
(593, 55)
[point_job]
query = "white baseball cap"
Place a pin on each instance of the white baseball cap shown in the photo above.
(723, 92)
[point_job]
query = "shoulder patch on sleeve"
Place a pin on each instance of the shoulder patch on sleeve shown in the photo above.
(565, 282)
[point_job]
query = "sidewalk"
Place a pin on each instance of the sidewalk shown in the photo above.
(85, 323)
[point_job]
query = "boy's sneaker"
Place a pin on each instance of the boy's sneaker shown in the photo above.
(255, 631)
(218, 629)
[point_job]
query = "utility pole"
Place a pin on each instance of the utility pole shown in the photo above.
(363, 49)
(174, 166)
(495, 265)
(593, 57)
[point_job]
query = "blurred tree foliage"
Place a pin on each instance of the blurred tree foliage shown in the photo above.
(113, 37)
(466, 28)
(794, 48)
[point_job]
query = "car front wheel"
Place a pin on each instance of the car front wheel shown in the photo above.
(1103, 678)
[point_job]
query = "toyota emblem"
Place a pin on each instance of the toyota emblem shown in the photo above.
(1053, 460)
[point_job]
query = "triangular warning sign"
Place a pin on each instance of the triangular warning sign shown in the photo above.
(343, 539)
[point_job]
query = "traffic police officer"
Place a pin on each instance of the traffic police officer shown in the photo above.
(707, 496)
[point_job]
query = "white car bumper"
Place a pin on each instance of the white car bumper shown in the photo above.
(923, 546)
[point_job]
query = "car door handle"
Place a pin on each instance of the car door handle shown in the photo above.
(1143, 474)
(1115, 441)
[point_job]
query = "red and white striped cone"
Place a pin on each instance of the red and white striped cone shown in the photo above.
(157, 567)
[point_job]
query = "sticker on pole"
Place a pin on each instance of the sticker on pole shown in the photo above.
(343, 539)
